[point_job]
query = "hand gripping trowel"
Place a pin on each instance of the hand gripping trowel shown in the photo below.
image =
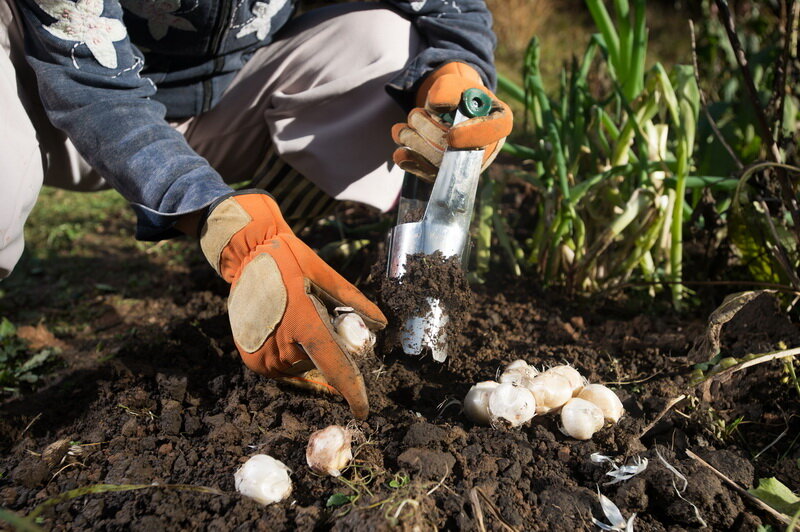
(448, 207)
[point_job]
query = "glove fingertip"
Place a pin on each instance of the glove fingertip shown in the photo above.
(418, 168)
(396, 129)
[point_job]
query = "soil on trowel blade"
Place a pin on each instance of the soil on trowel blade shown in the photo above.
(426, 278)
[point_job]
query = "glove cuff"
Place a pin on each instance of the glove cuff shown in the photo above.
(459, 69)
(234, 225)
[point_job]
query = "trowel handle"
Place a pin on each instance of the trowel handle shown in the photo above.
(474, 103)
(415, 193)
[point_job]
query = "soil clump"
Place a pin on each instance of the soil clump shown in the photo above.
(426, 278)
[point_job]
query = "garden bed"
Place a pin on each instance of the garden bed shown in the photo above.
(169, 403)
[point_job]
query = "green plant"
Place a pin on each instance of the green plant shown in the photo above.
(18, 365)
(612, 165)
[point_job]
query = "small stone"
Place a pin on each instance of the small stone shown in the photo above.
(170, 419)
(423, 434)
(564, 453)
(172, 386)
(31, 472)
(129, 428)
(191, 422)
(214, 421)
(428, 464)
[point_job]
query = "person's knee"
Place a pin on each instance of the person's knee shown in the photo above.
(386, 36)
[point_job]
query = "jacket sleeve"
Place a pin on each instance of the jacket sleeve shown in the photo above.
(454, 30)
(88, 76)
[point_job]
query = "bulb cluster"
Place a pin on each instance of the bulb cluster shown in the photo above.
(522, 391)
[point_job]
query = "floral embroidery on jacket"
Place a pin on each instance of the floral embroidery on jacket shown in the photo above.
(159, 15)
(261, 23)
(81, 22)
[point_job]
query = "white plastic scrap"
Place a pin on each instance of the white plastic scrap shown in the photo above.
(613, 515)
(626, 472)
(679, 492)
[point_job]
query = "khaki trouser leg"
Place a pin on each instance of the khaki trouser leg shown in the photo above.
(21, 171)
(316, 97)
(32, 151)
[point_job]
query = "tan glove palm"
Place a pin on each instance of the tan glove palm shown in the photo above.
(280, 295)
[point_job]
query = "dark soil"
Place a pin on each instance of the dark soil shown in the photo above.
(426, 278)
(153, 393)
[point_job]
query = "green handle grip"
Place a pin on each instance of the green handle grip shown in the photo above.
(474, 103)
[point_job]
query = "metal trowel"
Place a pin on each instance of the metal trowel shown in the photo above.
(446, 207)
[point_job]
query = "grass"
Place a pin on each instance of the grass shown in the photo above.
(371, 487)
(62, 220)
(610, 153)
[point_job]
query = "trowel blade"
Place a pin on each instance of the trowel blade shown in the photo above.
(426, 332)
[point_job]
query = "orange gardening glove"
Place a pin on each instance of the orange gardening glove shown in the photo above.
(281, 292)
(424, 138)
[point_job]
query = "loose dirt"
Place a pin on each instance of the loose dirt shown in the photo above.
(169, 403)
(426, 278)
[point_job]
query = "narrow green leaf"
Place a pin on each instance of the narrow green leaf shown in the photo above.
(17, 522)
(603, 22)
(7, 329)
(638, 53)
(509, 87)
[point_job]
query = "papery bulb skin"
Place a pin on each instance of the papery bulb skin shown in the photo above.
(551, 392)
(354, 333)
(513, 404)
(519, 373)
(329, 450)
(476, 402)
(576, 380)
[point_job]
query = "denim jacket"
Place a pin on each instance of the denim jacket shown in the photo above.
(111, 72)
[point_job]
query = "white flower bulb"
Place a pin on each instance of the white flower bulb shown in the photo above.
(517, 365)
(605, 399)
(551, 391)
(580, 419)
(476, 403)
(519, 373)
(329, 450)
(354, 333)
(576, 380)
(264, 479)
(514, 404)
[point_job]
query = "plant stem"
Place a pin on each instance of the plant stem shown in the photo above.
(676, 248)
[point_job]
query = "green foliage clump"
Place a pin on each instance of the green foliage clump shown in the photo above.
(19, 367)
